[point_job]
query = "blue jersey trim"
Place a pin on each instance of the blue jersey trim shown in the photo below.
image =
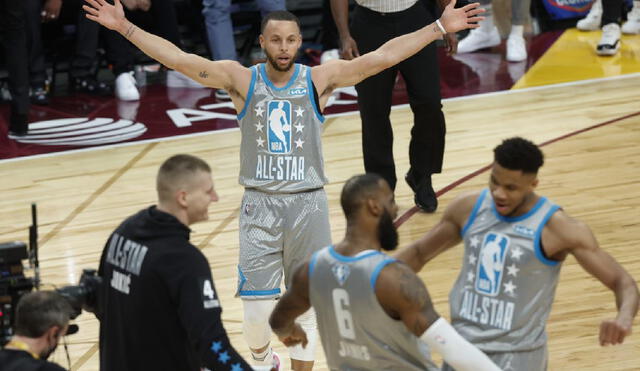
(312, 96)
(348, 259)
(312, 262)
(474, 212)
(259, 292)
(377, 269)
(520, 218)
(249, 94)
(263, 72)
(536, 243)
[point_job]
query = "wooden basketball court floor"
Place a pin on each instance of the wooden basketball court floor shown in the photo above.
(590, 132)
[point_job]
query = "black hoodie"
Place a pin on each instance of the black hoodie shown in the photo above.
(158, 308)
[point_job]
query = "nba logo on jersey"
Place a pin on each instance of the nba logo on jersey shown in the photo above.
(491, 263)
(279, 124)
(341, 272)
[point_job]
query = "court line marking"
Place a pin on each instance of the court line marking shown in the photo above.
(395, 107)
(80, 208)
(412, 211)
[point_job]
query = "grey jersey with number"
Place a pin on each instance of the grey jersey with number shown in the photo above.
(281, 148)
(356, 332)
(503, 295)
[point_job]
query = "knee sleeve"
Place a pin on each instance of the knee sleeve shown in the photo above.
(308, 323)
(255, 327)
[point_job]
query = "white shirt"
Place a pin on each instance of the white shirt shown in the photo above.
(386, 6)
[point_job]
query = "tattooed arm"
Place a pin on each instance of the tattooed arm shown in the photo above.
(404, 297)
(216, 74)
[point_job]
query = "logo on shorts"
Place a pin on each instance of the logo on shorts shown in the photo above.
(341, 272)
(279, 124)
(491, 263)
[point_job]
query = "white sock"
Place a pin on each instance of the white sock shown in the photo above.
(265, 357)
(517, 30)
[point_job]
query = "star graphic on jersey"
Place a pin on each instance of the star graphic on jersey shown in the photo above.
(472, 259)
(299, 143)
(236, 367)
(259, 126)
(224, 357)
(260, 142)
(516, 253)
(470, 276)
(299, 111)
(216, 346)
(512, 270)
(259, 111)
(298, 127)
(474, 241)
(509, 287)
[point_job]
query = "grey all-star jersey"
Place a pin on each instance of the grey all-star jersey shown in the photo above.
(356, 332)
(281, 149)
(503, 295)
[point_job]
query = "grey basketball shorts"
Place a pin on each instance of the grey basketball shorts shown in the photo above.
(277, 233)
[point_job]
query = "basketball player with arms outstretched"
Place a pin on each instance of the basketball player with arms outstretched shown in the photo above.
(515, 242)
(373, 312)
(284, 214)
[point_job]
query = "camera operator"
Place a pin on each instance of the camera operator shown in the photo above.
(158, 308)
(42, 318)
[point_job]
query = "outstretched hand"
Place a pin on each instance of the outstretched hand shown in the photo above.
(454, 20)
(110, 16)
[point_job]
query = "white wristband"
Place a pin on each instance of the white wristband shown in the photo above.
(444, 32)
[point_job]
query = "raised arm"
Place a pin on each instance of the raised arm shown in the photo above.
(578, 239)
(341, 73)
(291, 305)
(404, 297)
(219, 74)
(443, 236)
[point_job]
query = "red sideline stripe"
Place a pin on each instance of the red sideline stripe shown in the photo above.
(409, 213)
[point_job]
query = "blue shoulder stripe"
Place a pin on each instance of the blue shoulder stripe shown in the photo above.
(536, 243)
(247, 101)
(474, 212)
(312, 96)
(378, 268)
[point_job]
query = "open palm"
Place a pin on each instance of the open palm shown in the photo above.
(454, 20)
(104, 13)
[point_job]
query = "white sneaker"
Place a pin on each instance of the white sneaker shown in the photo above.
(610, 40)
(126, 87)
(479, 39)
(177, 79)
(632, 26)
(516, 48)
(328, 55)
(222, 94)
(270, 362)
(592, 21)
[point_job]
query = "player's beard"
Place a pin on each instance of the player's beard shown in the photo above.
(274, 62)
(387, 232)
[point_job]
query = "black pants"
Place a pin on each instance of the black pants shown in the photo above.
(33, 21)
(120, 52)
(15, 46)
(421, 73)
(611, 11)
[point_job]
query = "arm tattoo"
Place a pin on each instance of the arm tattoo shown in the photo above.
(414, 291)
(203, 74)
(130, 31)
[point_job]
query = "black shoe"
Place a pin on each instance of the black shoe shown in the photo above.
(18, 125)
(424, 195)
(39, 95)
(91, 86)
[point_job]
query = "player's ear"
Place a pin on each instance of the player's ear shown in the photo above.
(373, 206)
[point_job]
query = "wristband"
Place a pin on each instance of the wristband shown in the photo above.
(444, 32)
